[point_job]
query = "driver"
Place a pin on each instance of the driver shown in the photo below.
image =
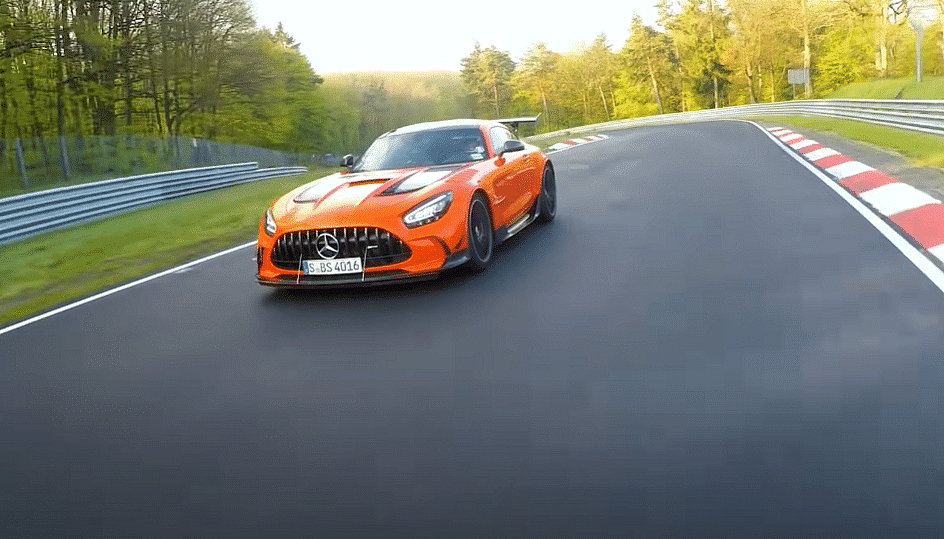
(473, 148)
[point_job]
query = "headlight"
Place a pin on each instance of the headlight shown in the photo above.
(269, 223)
(428, 211)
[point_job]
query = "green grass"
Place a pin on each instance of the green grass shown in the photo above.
(920, 149)
(903, 88)
(46, 270)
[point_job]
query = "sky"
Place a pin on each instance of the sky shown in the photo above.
(431, 35)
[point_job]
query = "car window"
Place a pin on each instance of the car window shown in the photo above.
(423, 148)
(499, 135)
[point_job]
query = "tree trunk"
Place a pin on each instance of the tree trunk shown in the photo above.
(773, 86)
(3, 110)
(60, 72)
(606, 108)
(940, 10)
(497, 112)
(165, 75)
(655, 85)
(126, 55)
(5, 70)
(714, 51)
(30, 79)
(749, 71)
(152, 75)
(807, 55)
(72, 72)
(881, 52)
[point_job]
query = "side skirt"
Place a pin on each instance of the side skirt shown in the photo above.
(502, 233)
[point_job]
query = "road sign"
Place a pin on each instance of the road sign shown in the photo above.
(922, 14)
(798, 76)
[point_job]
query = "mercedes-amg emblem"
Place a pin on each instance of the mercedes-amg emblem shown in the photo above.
(327, 246)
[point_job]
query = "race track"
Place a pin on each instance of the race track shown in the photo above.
(707, 342)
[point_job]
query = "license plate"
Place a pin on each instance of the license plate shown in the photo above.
(332, 267)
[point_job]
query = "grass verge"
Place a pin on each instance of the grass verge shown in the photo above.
(64, 265)
(920, 149)
(901, 88)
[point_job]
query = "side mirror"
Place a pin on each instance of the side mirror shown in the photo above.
(511, 146)
(347, 161)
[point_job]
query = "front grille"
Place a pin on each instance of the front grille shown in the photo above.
(382, 247)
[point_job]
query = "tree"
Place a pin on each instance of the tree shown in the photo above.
(649, 60)
(845, 56)
(601, 63)
(698, 34)
(487, 75)
(585, 78)
(534, 77)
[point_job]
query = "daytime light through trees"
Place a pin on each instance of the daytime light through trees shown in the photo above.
(202, 68)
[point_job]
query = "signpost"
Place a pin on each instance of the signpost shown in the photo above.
(921, 14)
(798, 76)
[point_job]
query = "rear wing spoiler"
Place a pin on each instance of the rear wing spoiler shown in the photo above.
(513, 123)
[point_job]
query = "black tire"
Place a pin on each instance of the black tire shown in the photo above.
(548, 196)
(481, 236)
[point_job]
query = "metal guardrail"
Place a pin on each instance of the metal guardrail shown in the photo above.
(48, 162)
(926, 116)
(32, 213)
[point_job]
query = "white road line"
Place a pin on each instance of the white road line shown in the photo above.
(938, 252)
(923, 263)
(793, 138)
(849, 168)
(803, 144)
(897, 197)
(816, 155)
(106, 293)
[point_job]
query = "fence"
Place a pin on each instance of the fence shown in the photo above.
(926, 116)
(31, 213)
(27, 164)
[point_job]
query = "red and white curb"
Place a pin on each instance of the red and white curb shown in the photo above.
(576, 142)
(916, 213)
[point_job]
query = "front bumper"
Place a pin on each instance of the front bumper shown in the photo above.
(432, 248)
(297, 280)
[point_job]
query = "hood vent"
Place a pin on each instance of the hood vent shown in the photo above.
(419, 180)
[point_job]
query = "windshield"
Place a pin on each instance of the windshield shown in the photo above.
(423, 148)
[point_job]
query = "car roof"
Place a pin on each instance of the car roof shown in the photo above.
(445, 124)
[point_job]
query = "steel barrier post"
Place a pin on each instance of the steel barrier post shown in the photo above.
(64, 158)
(20, 162)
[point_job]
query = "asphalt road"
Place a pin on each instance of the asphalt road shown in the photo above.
(707, 342)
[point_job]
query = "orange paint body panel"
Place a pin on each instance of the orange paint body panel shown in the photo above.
(356, 222)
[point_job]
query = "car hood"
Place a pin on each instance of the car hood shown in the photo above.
(346, 195)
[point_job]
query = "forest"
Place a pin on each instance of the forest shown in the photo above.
(204, 69)
(705, 54)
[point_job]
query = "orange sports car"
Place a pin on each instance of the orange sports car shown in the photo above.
(421, 199)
